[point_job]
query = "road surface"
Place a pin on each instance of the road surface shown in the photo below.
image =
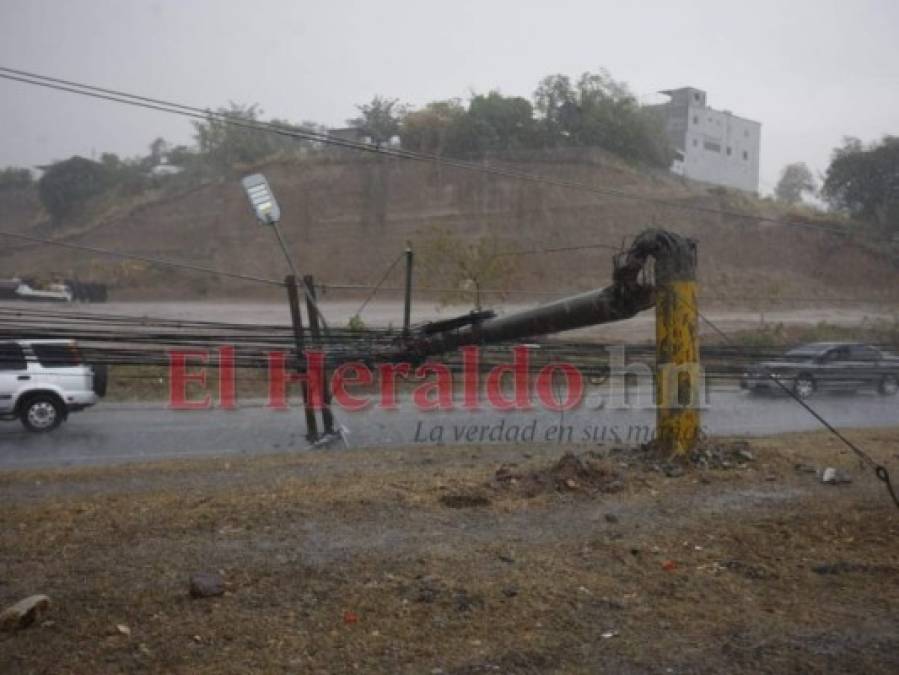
(122, 432)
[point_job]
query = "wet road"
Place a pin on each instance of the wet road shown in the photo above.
(120, 432)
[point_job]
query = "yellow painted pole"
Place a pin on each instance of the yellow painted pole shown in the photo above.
(677, 354)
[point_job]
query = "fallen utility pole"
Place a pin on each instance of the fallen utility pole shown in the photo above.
(673, 294)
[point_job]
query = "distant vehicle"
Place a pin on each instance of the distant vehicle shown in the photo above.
(17, 289)
(42, 381)
(826, 366)
(71, 290)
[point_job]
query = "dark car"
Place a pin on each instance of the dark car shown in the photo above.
(826, 366)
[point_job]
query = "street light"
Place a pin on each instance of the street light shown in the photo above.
(261, 199)
(266, 208)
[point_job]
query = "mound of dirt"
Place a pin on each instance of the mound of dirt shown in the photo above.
(331, 204)
(571, 473)
(717, 454)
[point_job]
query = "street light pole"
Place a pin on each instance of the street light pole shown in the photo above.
(268, 213)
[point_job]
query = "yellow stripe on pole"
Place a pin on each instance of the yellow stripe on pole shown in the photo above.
(678, 379)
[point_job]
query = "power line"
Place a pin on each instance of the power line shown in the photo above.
(142, 258)
(558, 249)
(162, 105)
(375, 288)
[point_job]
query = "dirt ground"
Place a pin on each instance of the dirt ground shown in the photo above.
(494, 559)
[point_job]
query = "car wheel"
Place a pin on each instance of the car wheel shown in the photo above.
(101, 379)
(41, 413)
(889, 385)
(804, 386)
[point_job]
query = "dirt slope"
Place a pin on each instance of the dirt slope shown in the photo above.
(347, 218)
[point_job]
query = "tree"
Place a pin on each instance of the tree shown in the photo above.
(380, 119)
(111, 161)
(438, 128)
(66, 186)
(501, 122)
(556, 103)
(158, 150)
(600, 112)
(12, 178)
(222, 145)
(182, 156)
(491, 122)
(864, 181)
(466, 266)
(795, 179)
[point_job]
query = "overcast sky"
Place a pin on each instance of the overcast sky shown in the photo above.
(811, 71)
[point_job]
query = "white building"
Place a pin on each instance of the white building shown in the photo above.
(714, 146)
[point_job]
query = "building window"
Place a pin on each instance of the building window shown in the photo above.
(695, 119)
(695, 95)
(695, 143)
(729, 151)
(745, 155)
(711, 146)
(745, 133)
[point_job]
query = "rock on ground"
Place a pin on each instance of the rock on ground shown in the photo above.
(24, 613)
(206, 585)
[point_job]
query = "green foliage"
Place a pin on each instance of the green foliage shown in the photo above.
(14, 178)
(491, 122)
(556, 104)
(66, 186)
(356, 324)
(464, 266)
(864, 181)
(501, 122)
(596, 112)
(222, 146)
(600, 112)
(795, 180)
(158, 150)
(380, 119)
(439, 128)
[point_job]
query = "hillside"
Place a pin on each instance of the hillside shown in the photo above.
(346, 218)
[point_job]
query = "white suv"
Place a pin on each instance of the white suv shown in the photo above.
(42, 381)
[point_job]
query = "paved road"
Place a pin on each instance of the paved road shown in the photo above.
(112, 433)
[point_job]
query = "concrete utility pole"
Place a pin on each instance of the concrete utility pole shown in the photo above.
(677, 347)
